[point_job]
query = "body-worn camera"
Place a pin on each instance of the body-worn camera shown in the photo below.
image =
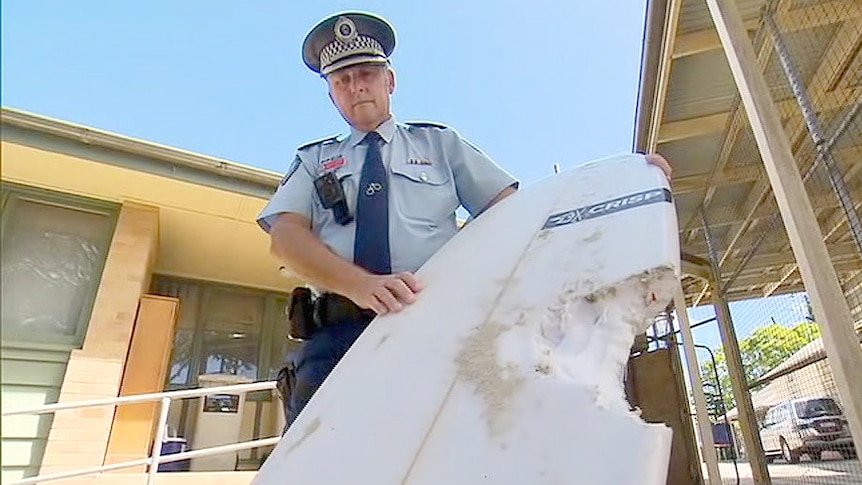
(332, 196)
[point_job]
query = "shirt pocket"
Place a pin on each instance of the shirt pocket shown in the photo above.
(423, 193)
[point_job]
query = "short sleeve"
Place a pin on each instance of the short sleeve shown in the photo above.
(294, 194)
(478, 179)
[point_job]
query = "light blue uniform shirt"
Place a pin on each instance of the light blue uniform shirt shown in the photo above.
(431, 170)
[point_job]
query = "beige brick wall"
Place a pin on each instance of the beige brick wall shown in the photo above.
(78, 438)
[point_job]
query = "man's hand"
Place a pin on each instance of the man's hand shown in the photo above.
(294, 243)
(385, 293)
(660, 162)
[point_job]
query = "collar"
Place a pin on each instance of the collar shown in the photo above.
(386, 131)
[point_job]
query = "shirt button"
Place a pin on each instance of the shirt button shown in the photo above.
(423, 177)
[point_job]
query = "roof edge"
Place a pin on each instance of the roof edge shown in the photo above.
(94, 137)
(654, 25)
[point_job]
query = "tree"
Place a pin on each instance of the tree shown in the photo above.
(716, 382)
(761, 352)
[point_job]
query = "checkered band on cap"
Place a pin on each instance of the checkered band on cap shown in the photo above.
(338, 50)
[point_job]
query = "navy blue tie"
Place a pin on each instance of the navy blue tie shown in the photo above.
(371, 246)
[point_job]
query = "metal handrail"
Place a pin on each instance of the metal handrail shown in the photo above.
(139, 398)
(155, 459)
(215, 450)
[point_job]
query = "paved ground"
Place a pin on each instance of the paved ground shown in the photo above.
(831, 471)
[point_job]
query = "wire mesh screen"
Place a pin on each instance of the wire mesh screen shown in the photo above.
(810, 53)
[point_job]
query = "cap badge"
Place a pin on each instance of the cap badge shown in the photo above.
(345, 30)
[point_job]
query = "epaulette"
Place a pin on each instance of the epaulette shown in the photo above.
(426, 124)
(323, 141)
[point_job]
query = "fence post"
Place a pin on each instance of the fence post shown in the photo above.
(703, 422)
(157, 441)
(735, 369)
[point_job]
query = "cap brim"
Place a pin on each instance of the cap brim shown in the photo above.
(352, 61)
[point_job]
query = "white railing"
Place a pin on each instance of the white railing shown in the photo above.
(156, 458)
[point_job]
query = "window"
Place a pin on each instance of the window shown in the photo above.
(783, 413)
(770, 417)
(814, 408)
(231, 333)
(224, 329)
(53, 251)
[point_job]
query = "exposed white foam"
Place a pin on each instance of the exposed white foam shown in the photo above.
(585, 339)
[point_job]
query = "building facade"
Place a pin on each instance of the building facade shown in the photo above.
(129, 267)
(133, 268)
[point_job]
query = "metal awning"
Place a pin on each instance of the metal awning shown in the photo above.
(689, 111)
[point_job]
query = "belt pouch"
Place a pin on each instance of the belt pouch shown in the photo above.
(301, 315)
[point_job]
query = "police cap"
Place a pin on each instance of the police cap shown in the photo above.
(345, 39)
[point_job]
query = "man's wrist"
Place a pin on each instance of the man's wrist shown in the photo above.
(349, 282)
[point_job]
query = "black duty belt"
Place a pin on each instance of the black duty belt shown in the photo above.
(306, 314)
(334, 309)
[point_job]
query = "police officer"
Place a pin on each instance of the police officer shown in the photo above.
(357, 215)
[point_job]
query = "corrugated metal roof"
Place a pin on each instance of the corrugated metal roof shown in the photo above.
(717, 166)
(693, 155)
(694, 14)
(700, 85)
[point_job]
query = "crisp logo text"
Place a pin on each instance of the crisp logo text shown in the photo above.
(608, 207)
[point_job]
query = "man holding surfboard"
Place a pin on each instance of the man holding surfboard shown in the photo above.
(357, 215)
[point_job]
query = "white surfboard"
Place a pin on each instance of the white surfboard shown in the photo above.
(507, 370)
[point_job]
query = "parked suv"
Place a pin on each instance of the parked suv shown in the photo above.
(805, 426)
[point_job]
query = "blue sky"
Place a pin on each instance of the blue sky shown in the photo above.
(532, 83)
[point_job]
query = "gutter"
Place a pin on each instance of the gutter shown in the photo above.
(104, 139)
(654, 25)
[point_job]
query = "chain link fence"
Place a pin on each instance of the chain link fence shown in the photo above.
(810, 53)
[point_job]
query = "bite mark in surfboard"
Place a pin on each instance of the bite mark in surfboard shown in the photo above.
(594, 332)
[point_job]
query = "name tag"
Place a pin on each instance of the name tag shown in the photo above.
(333, 163)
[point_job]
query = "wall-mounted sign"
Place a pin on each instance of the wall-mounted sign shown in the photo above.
(221, 403)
